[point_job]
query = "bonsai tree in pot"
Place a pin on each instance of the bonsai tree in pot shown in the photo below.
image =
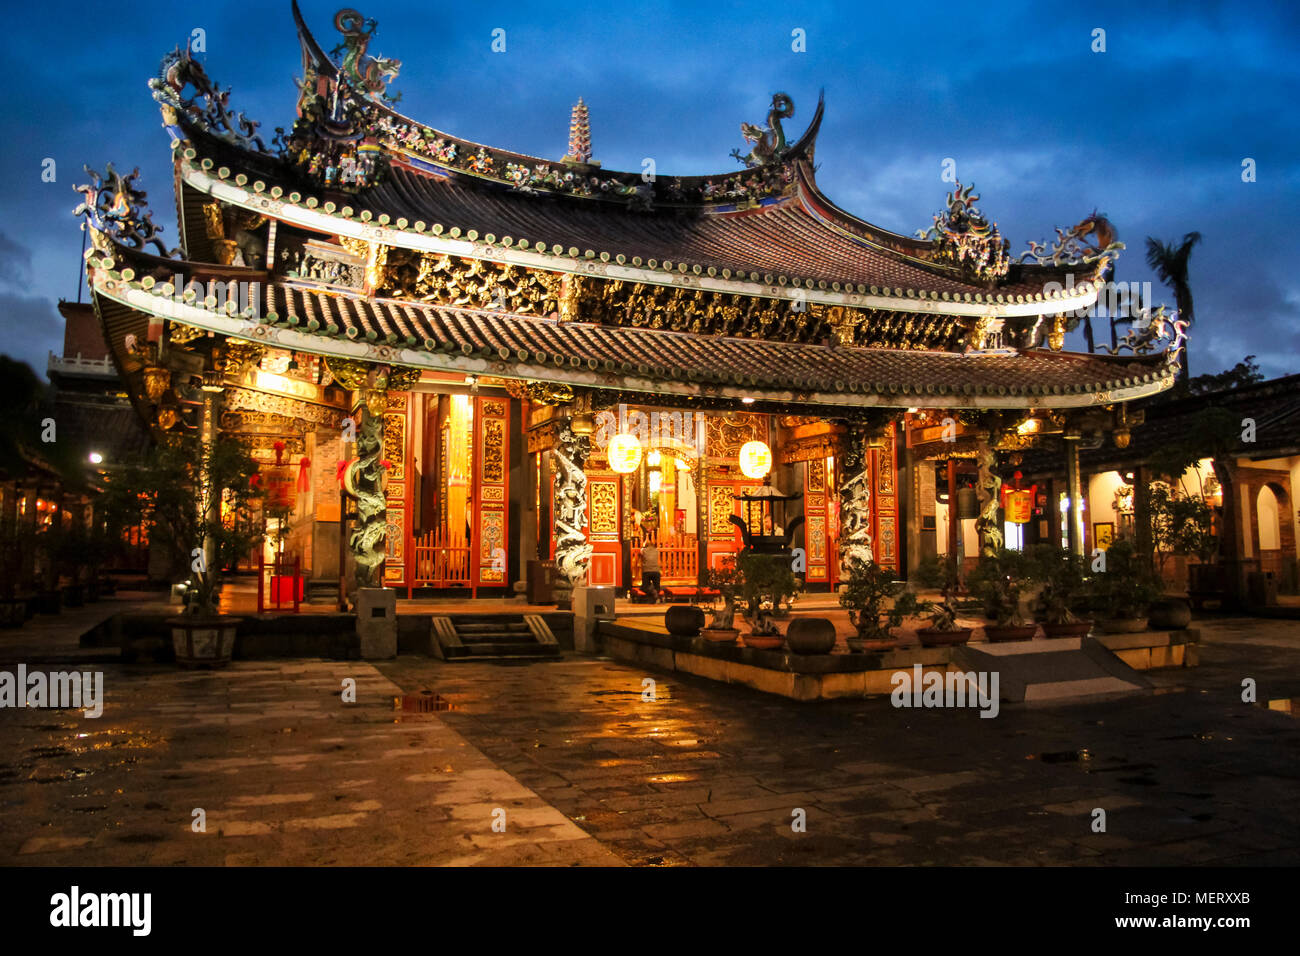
(866, 593)
(196, 503)
(1125, 588)
(766, 581)
(721, 628)
(998, 581)
(943, 629)
(1065, 589)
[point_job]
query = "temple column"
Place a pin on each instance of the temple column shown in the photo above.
(569, 459)
(208, 431)
(1073, 491)
(854, 491)
(988, 487)
(1142, 510)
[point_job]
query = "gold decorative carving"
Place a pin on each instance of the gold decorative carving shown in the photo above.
(247, 399)
(494, 450)
(720, 511)
(726, 433)
(604, 507)
(497, 409)
(395, 445)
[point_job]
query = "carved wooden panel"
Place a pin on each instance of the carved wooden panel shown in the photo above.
(492, 491)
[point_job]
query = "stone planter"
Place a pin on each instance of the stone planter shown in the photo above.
(1010, 632)
(1170, 614)
(203, 641)
(720, 635)
(1072, 629)
(1123, 625)
(810, 635)
(931, 638)
(764, 642)
(683, 620)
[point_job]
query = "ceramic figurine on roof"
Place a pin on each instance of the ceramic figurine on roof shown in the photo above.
(114, 206)
(769, 142)
(1071, 249)
(364, 72)
(208, 107)
(964, 238)
(579, 137)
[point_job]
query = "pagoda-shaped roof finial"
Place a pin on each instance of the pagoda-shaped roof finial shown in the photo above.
(580, 136)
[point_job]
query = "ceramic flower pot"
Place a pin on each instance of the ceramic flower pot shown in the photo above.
(1010, 632)
(201, 641)
(1071, 629)
(764, 642)
(932, 638)
(1123, 625)
(1170, 614)
(810, 635)
(720, 635)
(684, 620)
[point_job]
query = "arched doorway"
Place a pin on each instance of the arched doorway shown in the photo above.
(1269, 524)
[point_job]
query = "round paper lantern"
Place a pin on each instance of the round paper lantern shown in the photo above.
(755, 459)
(624, 453)
(1020, 505)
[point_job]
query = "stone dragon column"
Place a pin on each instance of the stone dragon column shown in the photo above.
(569, 459)
(988, 489)
(855, 545)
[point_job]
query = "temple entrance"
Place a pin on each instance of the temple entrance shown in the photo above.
(442, 546)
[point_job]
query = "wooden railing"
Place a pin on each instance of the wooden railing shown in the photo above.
(440, 559)
(679, 560)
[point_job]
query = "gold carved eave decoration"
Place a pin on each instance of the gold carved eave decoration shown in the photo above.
(540, 393)
(247, 399)
(541, 438)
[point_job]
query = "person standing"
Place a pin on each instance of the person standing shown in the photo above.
(650, 569)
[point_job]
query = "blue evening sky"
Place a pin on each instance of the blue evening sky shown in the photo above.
(1151, 132)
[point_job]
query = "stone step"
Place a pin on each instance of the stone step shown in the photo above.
(531, 649)
(1057, 669)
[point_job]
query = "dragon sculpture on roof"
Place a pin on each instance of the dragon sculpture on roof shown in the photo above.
(363, 71)
(963, 237)
(770, 145)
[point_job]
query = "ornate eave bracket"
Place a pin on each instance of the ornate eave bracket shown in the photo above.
(207, 107)
(114, 207)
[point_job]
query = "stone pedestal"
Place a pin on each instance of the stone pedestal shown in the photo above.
(590, 605)
(377, 622)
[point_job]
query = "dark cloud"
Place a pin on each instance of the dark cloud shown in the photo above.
(1152, 132)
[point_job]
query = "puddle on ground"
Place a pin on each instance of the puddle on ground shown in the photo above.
(1062, 756)
(422, 702)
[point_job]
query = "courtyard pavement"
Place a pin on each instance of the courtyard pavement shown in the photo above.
(576, 762)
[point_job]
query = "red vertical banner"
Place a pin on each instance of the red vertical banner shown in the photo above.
(603, 531)
(397, 454)
(491, 490)
(884, 511)
(815, 520)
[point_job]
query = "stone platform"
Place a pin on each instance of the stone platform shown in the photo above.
(1108, 662)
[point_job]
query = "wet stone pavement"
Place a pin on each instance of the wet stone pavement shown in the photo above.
(708, 774)
(586, 771)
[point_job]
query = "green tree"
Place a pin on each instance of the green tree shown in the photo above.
(1170, 263)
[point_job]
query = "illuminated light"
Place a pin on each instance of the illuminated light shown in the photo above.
(96, 458)
(624, 453)
(656, 482)
(755, 459)
(1029, 426)
(653, 458)
(747, 401)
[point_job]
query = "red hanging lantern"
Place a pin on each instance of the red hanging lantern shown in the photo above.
(1018, 502)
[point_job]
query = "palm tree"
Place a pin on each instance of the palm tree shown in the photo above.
(1170, 265)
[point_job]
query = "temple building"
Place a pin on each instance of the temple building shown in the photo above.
(498, 359)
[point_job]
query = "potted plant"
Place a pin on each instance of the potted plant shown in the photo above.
(998, 581)
(1065, 589)
(766, 581)
(721, 628)
(943, 630)
(866, 593)
(196, 500)
(1125, 589)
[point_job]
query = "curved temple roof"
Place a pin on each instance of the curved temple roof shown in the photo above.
(306, 318)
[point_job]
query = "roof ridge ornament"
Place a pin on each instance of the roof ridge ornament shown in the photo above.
(113, 206)
(964, 238)
(178, 70)
(1071, 249)
(365, 73)
(579, 136)
(1153, 331)
(770, 145)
